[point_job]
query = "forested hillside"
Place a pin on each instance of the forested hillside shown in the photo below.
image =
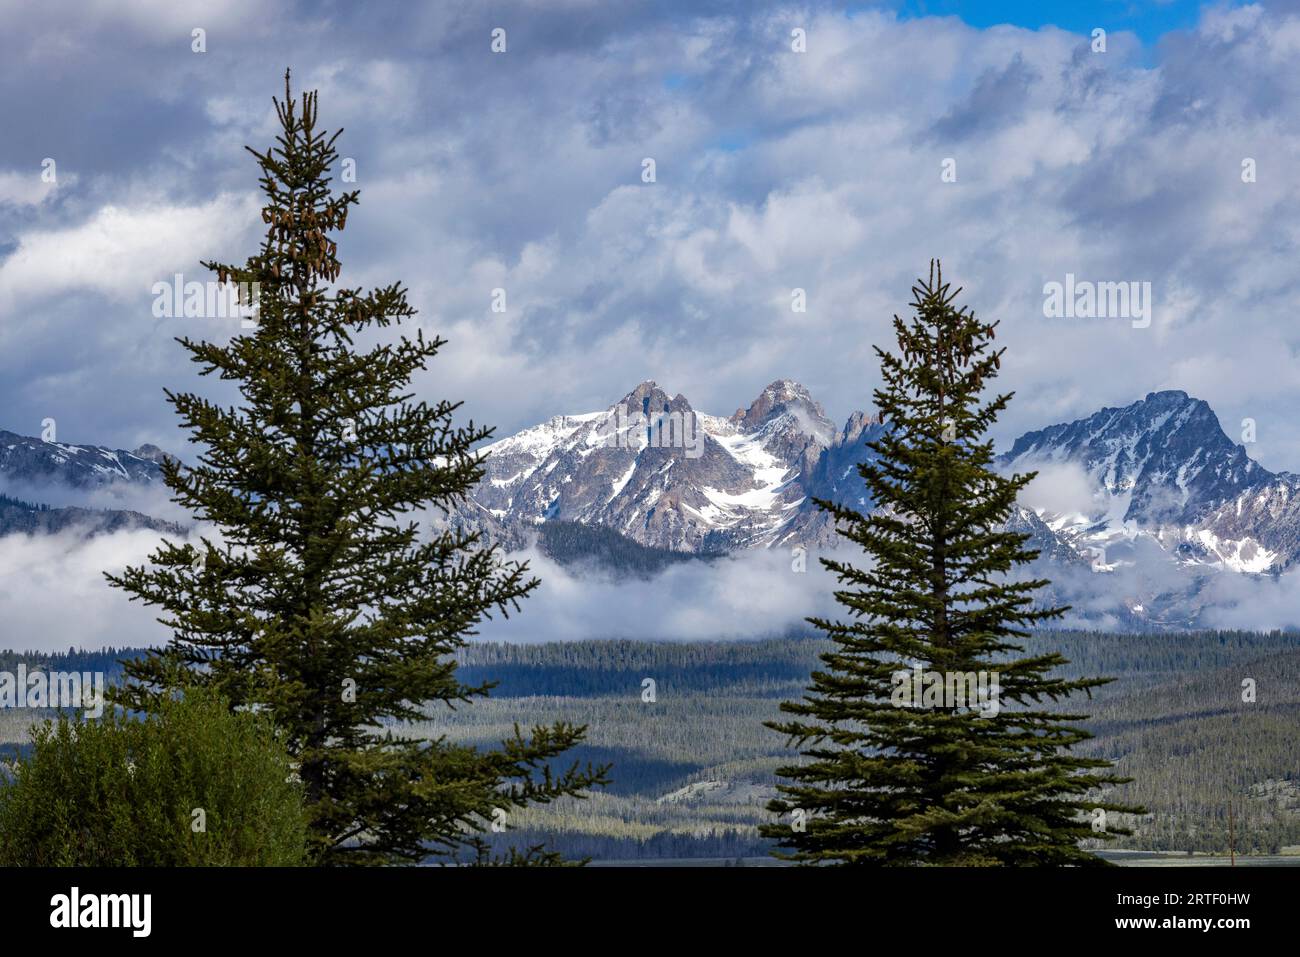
(694, 767)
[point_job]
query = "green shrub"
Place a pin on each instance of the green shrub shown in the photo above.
(193, 785)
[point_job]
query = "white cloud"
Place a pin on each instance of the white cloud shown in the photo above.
(1240, 601)
(53, 594)
(119, 253)
(159, 21)
(24, 188)
(1062, 488)
(751, 594)
(776, 170)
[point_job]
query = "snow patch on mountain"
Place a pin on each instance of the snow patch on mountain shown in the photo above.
(1160, 470)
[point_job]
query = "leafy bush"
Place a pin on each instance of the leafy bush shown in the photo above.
(193, 785)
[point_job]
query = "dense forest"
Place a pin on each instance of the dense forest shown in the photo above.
(694, 767)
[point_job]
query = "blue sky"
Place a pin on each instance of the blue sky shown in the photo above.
(1148, 19)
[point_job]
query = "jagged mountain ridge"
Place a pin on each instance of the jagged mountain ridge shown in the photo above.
(1154, 512)
(24, 459)
(1160, 472)
(658, 471)
(29, 464)
(1166, 453)
(1163, 470)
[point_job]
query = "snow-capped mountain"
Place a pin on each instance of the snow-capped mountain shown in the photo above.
(669, 476)
(30, 466)
(1160, 460)
(1138, 513)
(1159, 471)
(1156, 483)
(34, 461)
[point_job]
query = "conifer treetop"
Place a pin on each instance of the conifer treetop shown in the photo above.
(330, 597)
(893, 780)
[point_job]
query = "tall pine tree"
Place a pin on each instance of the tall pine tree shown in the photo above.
(891, 778)
(322, 603)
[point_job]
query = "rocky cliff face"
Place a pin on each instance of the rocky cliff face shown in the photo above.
(666, 475)
(32, 461)
(1163, 470)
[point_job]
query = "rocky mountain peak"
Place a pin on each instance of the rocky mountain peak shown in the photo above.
(647, 393)
(1161, 420)
(1154, 481)
(1158, 477)
(27, 460)
(857, 425)
(152, 453)
(1160, 466)
(790, 402)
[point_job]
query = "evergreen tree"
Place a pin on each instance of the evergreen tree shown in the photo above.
(323, 604)
(954, 782)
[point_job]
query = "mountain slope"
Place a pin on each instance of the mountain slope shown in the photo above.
(1163, 470)
(31, 465)
(1165, 458)
(18, 517)
(656, 470)
(27, 460)
(1135, 512)
(668, 476)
